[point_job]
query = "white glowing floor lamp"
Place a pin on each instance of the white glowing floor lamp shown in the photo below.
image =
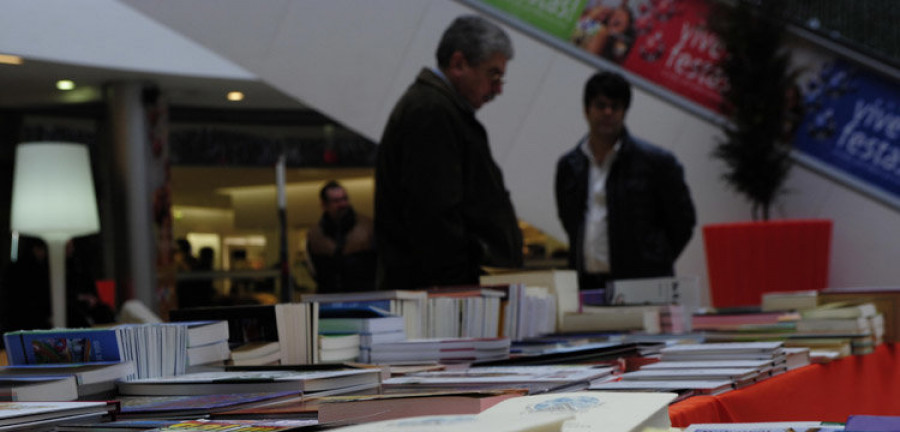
(53, 198)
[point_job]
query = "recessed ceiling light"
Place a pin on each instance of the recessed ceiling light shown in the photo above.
(65, 84)
(11, 59)
(235, 96)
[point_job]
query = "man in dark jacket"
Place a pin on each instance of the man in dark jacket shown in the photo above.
(622, 201)
(341, 247)
(441, 207)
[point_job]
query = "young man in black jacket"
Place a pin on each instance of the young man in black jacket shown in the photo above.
(622, 201)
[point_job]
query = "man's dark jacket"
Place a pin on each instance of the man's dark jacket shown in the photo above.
(441, 207)
(650, 213)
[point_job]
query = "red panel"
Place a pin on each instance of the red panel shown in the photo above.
(745, 260)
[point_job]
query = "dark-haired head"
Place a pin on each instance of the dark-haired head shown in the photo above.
(612, 85)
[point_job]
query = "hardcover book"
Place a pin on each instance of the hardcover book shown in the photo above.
(250, 382)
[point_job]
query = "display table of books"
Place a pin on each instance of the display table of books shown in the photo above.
(827, 392)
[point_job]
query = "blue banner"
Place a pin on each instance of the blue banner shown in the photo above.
(852, 123)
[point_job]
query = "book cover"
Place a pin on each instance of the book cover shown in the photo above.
(62, 346)
(872, 423)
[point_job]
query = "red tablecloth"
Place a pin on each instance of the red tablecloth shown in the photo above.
(867, 384)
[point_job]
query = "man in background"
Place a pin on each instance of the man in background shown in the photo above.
(622, 201)
(441, 207)
(341, 246)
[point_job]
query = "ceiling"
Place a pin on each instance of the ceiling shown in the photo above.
(32, 85)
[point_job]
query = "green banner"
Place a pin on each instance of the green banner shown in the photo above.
(555, 17)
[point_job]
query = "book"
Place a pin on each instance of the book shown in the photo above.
(840, 310)
(206, 332)
(366, 340)
(156, 349)
(440, 349)
(464, 311)
(788, 426)
(710, 364)
(250, 382)
(741, 376)
(255, 350)
(339, 341)
(872, 423)
(789, 300)
(369, 408)
(562, 285)
(723, 351)
(612, 318)
(684, 387)
(562, 375)
(62, 346)
(246, 323)
(209, 353)
(237, 425)
(411, 305)
(38, 388)
(583, 411)
(96, 378)
(175, 407)
(859, 325)
(23, 415)
(345, 321)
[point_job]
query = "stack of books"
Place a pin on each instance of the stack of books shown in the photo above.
(843, 328)
(466, 311)
(155, 349)
(339, 348)
(207, 344)
(256, 354)
(366, 327)
(706, 368)
(28, 416)
(411, 305)
(63, 381)
(292, 325)
(644, 319)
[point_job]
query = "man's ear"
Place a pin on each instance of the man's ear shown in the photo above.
(457, 63)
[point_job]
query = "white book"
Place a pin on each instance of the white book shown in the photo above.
(704, 374)
(701, 386)
(209, 353)
(249, 382)
(552, 412)
(709, 364)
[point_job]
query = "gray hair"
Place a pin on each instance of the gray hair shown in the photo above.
(477, 39)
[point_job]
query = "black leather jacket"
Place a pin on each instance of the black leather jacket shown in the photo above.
(650, 213)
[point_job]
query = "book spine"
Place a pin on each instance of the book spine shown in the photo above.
(15, 349)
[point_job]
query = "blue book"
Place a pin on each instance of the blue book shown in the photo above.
(62, 346)
(872, 423)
